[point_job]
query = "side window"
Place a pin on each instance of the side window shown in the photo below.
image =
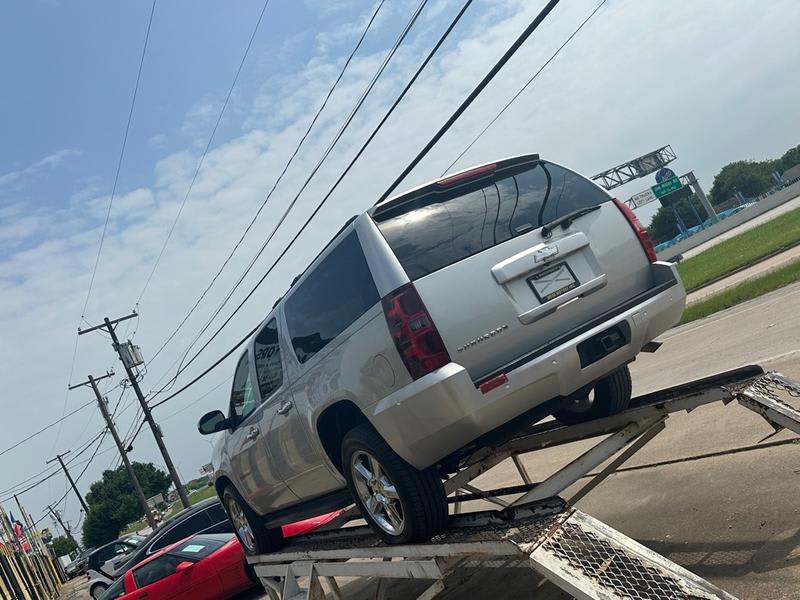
(120, 549)
(194, 524)
(104, 554)
(156, 570)
(336, 293)
(218, 516)
(243, 401)
(268, 360)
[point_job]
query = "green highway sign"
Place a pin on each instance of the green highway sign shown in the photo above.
(667, 187)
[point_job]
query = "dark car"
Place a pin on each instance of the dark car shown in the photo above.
(206, 516)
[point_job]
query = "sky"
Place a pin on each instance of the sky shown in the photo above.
(714, 79)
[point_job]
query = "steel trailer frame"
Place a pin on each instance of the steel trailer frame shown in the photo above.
(579, 554)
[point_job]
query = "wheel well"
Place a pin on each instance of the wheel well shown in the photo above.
(332, 426)
(220, 484)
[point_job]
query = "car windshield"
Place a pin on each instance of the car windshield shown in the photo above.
(135, 539)
(440, 228)
(199, 546)
(115, 590)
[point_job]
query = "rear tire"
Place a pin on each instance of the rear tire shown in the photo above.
(248, 525)
(612, 395)
(405, 505)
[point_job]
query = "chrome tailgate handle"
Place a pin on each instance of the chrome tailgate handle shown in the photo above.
(527, 260)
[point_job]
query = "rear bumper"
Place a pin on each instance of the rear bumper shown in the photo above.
(444, 411)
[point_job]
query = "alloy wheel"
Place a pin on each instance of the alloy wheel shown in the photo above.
(377, 492)
(241, 525)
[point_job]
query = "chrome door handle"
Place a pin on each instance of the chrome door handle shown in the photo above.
(285, 407)
(252, 434)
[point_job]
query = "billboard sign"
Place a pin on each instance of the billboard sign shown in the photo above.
(644, 197)
(664, 174)
(667, 187)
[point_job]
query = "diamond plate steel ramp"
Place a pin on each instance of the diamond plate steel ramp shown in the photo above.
(776, 398)
(591, 560)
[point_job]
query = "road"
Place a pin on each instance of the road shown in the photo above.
(763, 218)
(730, 516)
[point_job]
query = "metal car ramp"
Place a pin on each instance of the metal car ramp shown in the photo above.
(579, 554)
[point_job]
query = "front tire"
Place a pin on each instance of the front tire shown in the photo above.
(248, 526)
(98, 590)
(611, 395)
(401, 503)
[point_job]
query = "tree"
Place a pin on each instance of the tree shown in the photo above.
(62, 545)
(749, 177)
(113, 502)
(789, 159)
(663, 226)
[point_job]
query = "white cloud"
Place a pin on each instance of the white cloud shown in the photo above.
(641, 75)
(50, 161)
(157, 141)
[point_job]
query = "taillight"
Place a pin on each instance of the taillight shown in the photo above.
(414, 334)
(638, 229)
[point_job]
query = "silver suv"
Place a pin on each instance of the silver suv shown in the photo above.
(437, 320)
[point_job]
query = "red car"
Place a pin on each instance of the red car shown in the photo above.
(206, 566)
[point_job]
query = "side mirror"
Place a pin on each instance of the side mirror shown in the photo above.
(212, 422)
(184, 566)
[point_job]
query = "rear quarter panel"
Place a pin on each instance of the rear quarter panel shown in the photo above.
(361, 366)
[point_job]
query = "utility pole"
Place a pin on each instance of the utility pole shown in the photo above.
(66, 529)
(123, 350)
(104, 409)
(69, 478)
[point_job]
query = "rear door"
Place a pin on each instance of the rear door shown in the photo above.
(497, 284)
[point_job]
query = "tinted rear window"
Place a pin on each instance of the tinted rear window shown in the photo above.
(445, 228)
(337, 292)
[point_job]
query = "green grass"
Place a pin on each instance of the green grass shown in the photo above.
(194, 497)
(747, 290)
(741, 250)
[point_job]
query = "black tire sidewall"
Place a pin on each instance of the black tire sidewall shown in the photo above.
(98, 589)
(612, 395)
(421, 493)
(266, 540)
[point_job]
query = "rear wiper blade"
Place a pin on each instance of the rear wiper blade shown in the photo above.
(567, 219)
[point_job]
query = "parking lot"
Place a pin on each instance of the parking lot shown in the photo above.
(703, 492)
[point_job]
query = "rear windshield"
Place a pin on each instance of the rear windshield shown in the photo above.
(447, 227)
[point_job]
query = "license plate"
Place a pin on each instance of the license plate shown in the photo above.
(553, 282)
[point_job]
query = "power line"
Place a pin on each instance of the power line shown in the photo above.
(53, 474)
(524, 87)
(121, 156)
(472, 96)
(196, 400)
(374, 133)
(108, 212)
(268, 196)
(313, 172)
(43, 429)
(208, 145)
